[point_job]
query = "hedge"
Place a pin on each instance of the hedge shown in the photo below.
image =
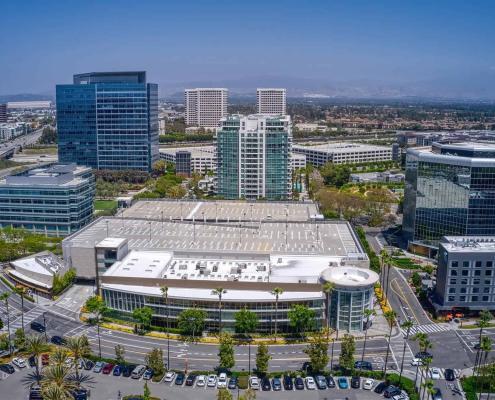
(374, 260)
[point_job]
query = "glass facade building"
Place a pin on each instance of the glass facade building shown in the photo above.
(450, 190)
(253, 157)
(108, 121)
(55, 200)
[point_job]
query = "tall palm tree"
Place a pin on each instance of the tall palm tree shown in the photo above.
(53, 392)
(21, 291)
(390, 317)
(164, 291)
(424, 386)
(483, 322)
(60, 376)
(328, 288)
(420, 337)
(35, 346)
(367, 313)
(384, 260)
(407, 325)
(98, 313)
(5, 298)
(485, 348)
(59, 356)
(428, 388)
(277, 292)
(219, 291)
(79, 347)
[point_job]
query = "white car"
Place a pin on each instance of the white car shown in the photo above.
(69, 362)
(435, 373)
(19, 362)
(254, 383)
(368, 384)
(222, 380)
(201, 380)
(212, 381)
(402, 396)
(169, 376)
(310, 383)
(416, 362)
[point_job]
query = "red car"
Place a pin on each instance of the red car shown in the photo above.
(45, 359)
(107, 368)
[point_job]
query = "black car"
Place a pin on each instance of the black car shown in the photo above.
(191, 378)
(437, 394)
(80, 394)
(276, 383)
(36, 326)
(35, 393)
(330, 381)
(58, 340)
(423, 354)
(366, 365)
(233, 382)
(9, 369)
(127, 370)
(179, 380)
(355, 382)
(381, 387)
(32, 361)
(288, 384)
(299, 383)
(88, 365)
(265, 384)
(391, 391)
(449, 375)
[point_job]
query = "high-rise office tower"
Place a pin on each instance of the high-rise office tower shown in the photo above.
(253, 157)
(271, 101)
(3, 112)
(205, 107)
(108, 120)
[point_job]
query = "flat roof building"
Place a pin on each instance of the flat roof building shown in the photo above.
(271, 101)
(191, 159)
(29, 105)
(54, 200)
(205, 107)
(343, 153)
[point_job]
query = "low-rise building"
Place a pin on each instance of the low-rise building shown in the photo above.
(9, 131)
(190, 159)
(379, 177)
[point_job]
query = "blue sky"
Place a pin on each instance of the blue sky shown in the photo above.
(385, 42)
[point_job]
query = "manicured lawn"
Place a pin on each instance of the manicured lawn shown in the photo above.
(105, 205)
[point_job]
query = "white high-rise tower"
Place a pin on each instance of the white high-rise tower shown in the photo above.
(270, 101)
(205, 107)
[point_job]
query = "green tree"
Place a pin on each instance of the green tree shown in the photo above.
(219, 291)
(348, 348)
(246, 321)
(143, 315)
(407, 325)
(483, 321)
(192, 321)
(224, 394)
(249, 394)
(390, 317)
(277, 292)
(226, 351)
(19, 338)
(79, 347)
(335, 175)
(154, 359)
(416, 280)
(146, 392)
(119, 354)
(328, 288)
(262, 359)
(317, 351)
(96, 305)
(301, 318)
(35, 346)
(485, 348)
(368, 313)
(5, 298)
(21, 291)
(159, 167)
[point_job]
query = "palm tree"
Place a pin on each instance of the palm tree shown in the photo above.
(390, 317)
(367, 313)
(21, 291)
(219, 291)
(407, 325)
(5, 297)
(424, 386)
(384, 260)
(79, 347)
(483, 322)
(420, 337)
(59, 376)
(98, 313)
(277, 292)
(328, 288)
(164, 291)
(59, 356)
(53, 392)
(485, 348)
(35, 346)
(428, 387)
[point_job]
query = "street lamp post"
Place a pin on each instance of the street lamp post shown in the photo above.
(44, 323)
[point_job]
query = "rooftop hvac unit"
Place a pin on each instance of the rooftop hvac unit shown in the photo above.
(182, 267)
(261, 268)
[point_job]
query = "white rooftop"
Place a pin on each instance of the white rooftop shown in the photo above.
(350, 276)
(469, 243)
(342, 147)
(44, 263)
(111, 242)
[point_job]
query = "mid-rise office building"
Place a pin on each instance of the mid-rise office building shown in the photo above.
(190, 159)
(271, 101)
(3, 113)
(254, 157)
(343, 153)
(450, 191)
(54, 200)
(108, 120)
(465, 273)
(205, 107)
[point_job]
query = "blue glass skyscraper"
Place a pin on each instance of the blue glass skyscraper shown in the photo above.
(108, 120)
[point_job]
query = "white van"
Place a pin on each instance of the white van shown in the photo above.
(138, 372)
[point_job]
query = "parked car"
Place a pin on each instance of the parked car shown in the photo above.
(222, 380)
(32, 361)
(36, 326)
(310, 383)
(330, 381)
(148, 374)
(366, 365)
(381, 387)
(233, 383)
(127, 371)
(58, 340)
(212, 381)
(299, 383)
(402, 396)
(45, 359)
(117, 371)
(35, 392)
(169, 376)
(98, 366)
(265, 384)
(288, 383)
(107, 368)
(19, 362)
(368, 384)
(355, 382)
(449, 374)
(138, 371)
(437, 394)
(80, 394)
(423, 354)
(191, 378)
(179, 380)
(321, 382)
(391, 391)
(342, 382)
(435, 373)
(88, 365)
(7, 368)
(276, 384)
(201, 381)
(476, 346)
(254, 383)
(417, 362)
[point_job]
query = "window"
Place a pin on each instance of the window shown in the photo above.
(488, 282)
(463, 290)
(486, 298)
(477, 264)
(452, 290)
(477, 273)
(465, 272)
(465, 264)
(453, 281)
(454, 264)
(486, 290)
(474, 298)
(462, 298)
(451, 298)
(489, 264)
(476, 290)
(488, 272)
(464, 281)
(476, 281)
(453, 273)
